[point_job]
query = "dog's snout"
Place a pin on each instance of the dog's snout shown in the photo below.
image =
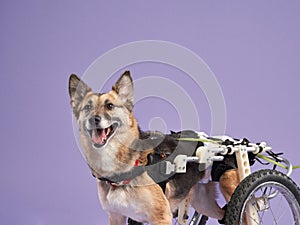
(95, 120)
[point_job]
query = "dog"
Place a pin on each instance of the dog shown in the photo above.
(116, 149)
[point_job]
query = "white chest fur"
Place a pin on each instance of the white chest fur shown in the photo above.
(124, 200)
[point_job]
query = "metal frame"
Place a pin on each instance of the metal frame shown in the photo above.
(213, 150)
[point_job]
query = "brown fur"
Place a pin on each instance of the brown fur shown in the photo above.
(228, 182)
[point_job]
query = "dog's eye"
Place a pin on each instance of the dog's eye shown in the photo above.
(87, 107)
(110, 106)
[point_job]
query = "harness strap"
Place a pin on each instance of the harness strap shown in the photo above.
(124, 178)
(156, 171)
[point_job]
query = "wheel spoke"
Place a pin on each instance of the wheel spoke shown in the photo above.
(279, 205)
(273, 215)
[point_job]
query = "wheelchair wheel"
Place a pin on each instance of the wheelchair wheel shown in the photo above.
(265, 197)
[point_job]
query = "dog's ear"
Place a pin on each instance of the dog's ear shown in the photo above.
(124, 88)
(77, 90)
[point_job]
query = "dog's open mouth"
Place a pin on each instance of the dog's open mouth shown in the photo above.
(100, 136)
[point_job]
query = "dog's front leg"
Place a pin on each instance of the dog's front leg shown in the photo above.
(156, 206)
(116, 219)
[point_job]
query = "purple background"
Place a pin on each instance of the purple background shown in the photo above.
(253, 49)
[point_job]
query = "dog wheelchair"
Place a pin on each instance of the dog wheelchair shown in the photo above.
(266, 196)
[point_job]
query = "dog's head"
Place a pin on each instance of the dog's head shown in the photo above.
(104, 119)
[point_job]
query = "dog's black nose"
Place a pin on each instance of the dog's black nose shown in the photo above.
(95, 120)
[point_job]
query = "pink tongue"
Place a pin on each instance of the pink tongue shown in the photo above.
(99, 137)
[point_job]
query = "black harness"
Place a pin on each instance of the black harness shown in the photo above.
(166, 148)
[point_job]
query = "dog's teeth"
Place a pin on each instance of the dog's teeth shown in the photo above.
(107, 131)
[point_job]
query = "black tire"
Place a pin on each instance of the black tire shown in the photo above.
(258, 183)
